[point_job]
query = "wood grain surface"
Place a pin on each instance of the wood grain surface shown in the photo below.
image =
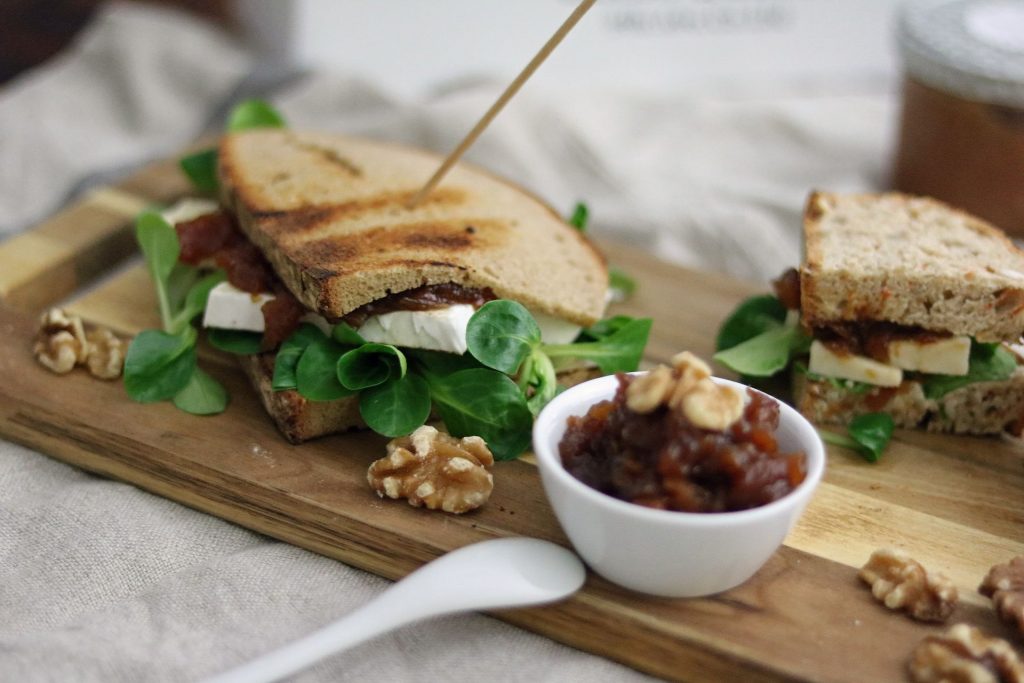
(952, 502)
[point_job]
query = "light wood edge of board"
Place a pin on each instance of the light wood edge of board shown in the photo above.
(68, 251)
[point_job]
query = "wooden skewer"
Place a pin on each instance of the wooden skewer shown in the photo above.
(510, 91)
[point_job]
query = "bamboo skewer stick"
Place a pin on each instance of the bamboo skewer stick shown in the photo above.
(502, 100)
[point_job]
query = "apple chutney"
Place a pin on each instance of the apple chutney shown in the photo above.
(666, 457)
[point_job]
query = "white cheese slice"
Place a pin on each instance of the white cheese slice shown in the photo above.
(188, 208)
(556, 330)
(950, 356)
(442, 329)
(233, 309)
(853, 367)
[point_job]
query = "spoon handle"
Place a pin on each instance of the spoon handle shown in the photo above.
(389, 611)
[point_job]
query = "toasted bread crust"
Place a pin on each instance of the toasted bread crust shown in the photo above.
(979, 408)
(912, 261)
(329, 212)
(297, 418)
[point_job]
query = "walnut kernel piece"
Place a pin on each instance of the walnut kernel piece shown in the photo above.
(963, 654)
(710, 406)
(647, 392)
(60, 343)
(106, 351)
(435, 470)
(900, 582)
(688, 389)
(1005, 585)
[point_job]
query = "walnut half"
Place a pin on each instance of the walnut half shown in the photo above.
(435, 470)
(963, 654)
(900, 582)
(687, 388)
(1005, 585)
(62, 343)
(105, 357)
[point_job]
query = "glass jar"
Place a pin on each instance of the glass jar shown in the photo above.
(961, 133)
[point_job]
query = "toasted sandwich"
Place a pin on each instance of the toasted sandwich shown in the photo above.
(315, 228)
(907, 307)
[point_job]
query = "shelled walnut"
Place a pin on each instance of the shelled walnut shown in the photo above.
(963, 654)
(686, 387)
(105, 357)
(62, 343)
(435, 470)
(900, 582)
(1005, 585)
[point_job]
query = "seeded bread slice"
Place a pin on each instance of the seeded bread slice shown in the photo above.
(912, 261)
(330, 214)
(979, 408)
(297, 418)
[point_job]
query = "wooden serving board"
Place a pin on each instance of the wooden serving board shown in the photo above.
(953, 503)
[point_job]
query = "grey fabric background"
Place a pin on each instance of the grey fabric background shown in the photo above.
(102, 582)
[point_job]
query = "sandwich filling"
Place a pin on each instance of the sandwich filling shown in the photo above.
(874, 352)
(253, 299)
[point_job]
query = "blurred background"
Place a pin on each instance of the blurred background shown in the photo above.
(636, 43)
(693, 128)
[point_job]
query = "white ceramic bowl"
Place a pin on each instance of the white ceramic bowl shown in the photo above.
(672, 554)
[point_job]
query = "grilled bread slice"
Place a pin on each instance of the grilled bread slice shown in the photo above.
(909, 260)
(329, 212)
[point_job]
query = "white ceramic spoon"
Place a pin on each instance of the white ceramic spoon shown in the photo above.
(506, 572)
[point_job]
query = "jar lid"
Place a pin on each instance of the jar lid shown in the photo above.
(970, 48)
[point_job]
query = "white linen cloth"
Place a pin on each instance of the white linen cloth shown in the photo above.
(100, 581)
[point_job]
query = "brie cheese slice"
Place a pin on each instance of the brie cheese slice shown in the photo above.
(188, 208)
(849, 366)
(950, 356)
(442, 329)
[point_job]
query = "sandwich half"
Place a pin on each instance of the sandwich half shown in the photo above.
(906, 306)
(314, 228)
(915, 309)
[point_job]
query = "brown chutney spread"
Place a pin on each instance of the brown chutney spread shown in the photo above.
(661, 460)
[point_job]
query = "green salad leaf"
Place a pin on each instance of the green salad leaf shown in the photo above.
(158, 364)
(287, 359)
(238, 342)
(316, 374)
(767, 353)
(370, 365)
(344, 334)
(619, 351)
(160, 249)
(396, 407)
(868, 434)
(202, 395)
(621, 284)
(580, 215)
(250, 114)
(752, 317)
(988, 363)
(195, 300)
(485, 403)
(201, 169)
(502, 334)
